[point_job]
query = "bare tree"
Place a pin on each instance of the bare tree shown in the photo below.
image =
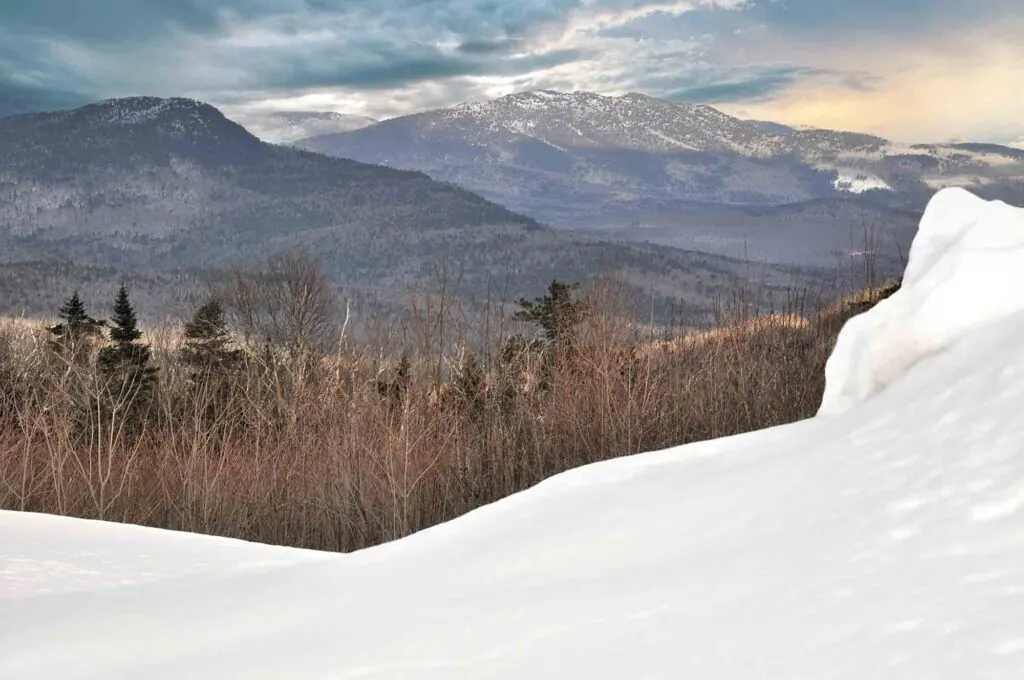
(287, 301)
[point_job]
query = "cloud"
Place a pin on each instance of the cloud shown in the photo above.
(864, 65)
(898, 18)
(717, 85)
(16, 98)
(953, 84)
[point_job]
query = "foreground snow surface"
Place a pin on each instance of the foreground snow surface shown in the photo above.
(883, 541)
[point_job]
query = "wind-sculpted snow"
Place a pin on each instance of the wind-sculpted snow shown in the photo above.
(882, 543)
(966, 268)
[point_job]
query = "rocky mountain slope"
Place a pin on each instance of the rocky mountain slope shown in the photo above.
(599, 163)
(148, 185)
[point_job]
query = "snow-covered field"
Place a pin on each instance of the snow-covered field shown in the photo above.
(882, 539)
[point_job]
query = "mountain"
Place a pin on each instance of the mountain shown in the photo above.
(285, 127)
(586, 161)
(167, 185)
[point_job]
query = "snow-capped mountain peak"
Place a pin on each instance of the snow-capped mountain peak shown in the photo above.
(590, 120)
(572, 156)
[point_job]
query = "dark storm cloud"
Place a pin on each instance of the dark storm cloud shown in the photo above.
(726, 85)
(371, 43)
(387, 68)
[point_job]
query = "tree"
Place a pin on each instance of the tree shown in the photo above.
(76, 324)
(288, 301)
(126, 325)
(469, 380)
(557, 313)
(206, 341)
(125, 364)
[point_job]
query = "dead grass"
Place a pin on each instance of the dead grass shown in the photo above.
(337, 453)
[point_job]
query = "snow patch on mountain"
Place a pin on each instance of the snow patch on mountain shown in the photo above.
(858, 183)
(181, 114)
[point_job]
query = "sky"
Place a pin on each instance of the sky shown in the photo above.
(913, 70)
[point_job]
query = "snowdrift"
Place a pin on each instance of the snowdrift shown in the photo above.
(965, 269)
(883, 541)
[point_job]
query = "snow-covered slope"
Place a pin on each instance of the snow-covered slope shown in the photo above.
(964, 270)
(885, 541)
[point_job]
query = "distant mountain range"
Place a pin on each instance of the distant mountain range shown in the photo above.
(681, 174)
(284, 127)
(149, 186)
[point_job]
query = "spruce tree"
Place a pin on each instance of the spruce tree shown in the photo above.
(76, 324)
(557, 313)
(126, 363)
(206, 341)
(126, 325)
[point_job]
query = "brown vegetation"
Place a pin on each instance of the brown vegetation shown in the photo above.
(359, 445)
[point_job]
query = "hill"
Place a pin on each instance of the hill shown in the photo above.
(153, 185)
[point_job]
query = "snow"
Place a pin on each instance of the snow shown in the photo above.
(964, 270)
(858, 183)
(882, 541)
(140, 110)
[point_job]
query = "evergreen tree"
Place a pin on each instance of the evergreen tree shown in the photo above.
(126, 325)
(125, 364)
(76, 324)
(207, 340)
(557, 313)
(469, 380)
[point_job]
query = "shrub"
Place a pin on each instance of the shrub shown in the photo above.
(371, 443)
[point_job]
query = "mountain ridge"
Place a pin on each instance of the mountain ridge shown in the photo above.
(593, 162)
(150, 185)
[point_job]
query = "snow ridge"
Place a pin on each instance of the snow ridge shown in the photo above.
(964, 271)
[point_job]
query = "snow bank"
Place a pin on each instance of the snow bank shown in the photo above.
(965, 269)
(882, 543)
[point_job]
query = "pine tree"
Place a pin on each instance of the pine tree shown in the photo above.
(125, 364)
(557, 313)
(76, 324)
(207, 339)
(126, 325)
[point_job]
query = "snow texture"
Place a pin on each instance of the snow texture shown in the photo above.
(965, 269)
(858, 183)
(883, 542)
